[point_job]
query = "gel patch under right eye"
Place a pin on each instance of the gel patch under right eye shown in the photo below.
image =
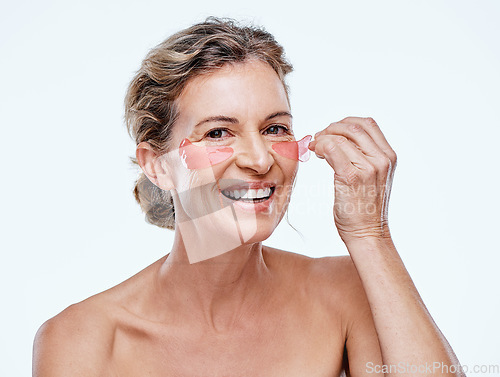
(295, 150)
(194, 157)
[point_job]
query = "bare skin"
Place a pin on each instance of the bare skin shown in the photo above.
(293, 322)
(255, 310)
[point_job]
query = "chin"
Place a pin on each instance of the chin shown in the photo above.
(260, 236)
(256, 230)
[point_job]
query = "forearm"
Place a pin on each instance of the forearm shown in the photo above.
(407, 333)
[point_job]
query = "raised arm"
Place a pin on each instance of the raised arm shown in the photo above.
(364, 163)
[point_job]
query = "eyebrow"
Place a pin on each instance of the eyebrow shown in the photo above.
(279, 114)
(217, 118)
(226, 119)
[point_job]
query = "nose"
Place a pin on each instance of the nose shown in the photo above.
(253, 153)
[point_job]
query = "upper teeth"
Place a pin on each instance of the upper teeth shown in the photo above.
(248, 194)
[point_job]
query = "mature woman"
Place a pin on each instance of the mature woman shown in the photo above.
(210, 113)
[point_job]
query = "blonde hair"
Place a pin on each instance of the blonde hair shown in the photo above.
(150, 102)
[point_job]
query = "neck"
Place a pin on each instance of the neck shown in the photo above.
(221, 289)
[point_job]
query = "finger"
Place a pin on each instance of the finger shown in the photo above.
(358, 135)
(342, 155)
(364, 142)
(371, 127)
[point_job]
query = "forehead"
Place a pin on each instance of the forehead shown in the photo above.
(246, 91)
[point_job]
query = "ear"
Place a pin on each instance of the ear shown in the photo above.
(153, 166)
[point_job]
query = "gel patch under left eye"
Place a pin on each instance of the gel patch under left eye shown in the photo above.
(194, 157)
(295, 150)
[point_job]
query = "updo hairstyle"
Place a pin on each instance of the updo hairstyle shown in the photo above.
(150, 103)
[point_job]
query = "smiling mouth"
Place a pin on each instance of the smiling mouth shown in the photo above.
(250, 195)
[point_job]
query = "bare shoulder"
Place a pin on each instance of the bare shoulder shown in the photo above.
(79, 340)
(339, 284)
(334, 280)
(75, 342)
(338, 280)
(325, 270)
(338, 271)
(285, 260)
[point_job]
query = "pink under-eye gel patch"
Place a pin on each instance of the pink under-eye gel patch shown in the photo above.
(194, 157)
(295, 150)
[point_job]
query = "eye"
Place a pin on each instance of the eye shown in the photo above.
(217, 133)
(277, 129)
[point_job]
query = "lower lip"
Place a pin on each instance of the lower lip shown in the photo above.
(249, 206)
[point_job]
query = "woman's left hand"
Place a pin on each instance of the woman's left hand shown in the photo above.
(364, 164)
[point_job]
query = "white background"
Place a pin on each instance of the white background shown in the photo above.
(428, 72)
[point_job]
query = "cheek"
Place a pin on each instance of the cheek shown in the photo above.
(188, 180)
(197, 193)
(201, 157)
(289, 168)
(294, 150)
(290, 171)
(192, 167)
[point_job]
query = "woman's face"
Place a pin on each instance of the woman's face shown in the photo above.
(241, 108)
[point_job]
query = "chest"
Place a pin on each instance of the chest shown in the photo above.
(290, 346)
